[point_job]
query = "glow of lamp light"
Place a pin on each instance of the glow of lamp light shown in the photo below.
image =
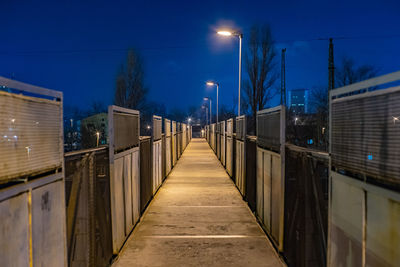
(224, 33)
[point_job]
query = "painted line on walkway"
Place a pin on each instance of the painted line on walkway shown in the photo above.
(202, 236)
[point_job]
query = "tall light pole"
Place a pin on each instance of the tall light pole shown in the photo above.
(206, 109)
(209, 83)
(240, 35)
(206, 99)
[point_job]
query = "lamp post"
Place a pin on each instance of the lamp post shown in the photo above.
(206, 99)
(206, 109)
(209, 83)
(240, 35)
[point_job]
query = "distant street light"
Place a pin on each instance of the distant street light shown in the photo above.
(209, 83)
(240, 35)
(98, 137)
(189, 120)
(206, 99)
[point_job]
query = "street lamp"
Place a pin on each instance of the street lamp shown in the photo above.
(209, 83)
(98, 137)
(206, 99)
(240, 35)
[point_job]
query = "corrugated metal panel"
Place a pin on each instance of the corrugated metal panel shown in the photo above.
(167, 127)
(157, 128)
(241, 128)
(268, 130)
(126, 130)
(366, 134)
(229, 127)
(30, 135)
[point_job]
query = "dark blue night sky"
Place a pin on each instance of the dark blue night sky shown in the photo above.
(78, 46)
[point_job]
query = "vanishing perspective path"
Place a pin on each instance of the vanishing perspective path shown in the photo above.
(198, 218)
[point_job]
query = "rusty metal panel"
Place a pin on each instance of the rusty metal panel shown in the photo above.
(157, 128)
(48, 225)
(14, 231)
(31, 134)
(366, 134)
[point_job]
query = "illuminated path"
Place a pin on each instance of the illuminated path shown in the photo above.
(198, 218)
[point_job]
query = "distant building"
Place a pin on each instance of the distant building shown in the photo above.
(298, 101)
(94, 127)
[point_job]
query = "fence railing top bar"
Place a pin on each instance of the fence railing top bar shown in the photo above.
(230, 120)
(12, 84)
(167, 120)
(313, 152)
(84, 151)
(368, 94)
(387, 78)
(123, 110)
(270, 110)
(155, 117)
(240, 117)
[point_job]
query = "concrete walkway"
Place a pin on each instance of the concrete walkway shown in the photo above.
(198, 218)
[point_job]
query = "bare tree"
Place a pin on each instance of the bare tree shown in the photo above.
(348, 73)
(130, 91)
(260, 66)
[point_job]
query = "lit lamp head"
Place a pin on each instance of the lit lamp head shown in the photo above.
(206, 99)
(210, 83)
(224, 33)
(229, 33)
